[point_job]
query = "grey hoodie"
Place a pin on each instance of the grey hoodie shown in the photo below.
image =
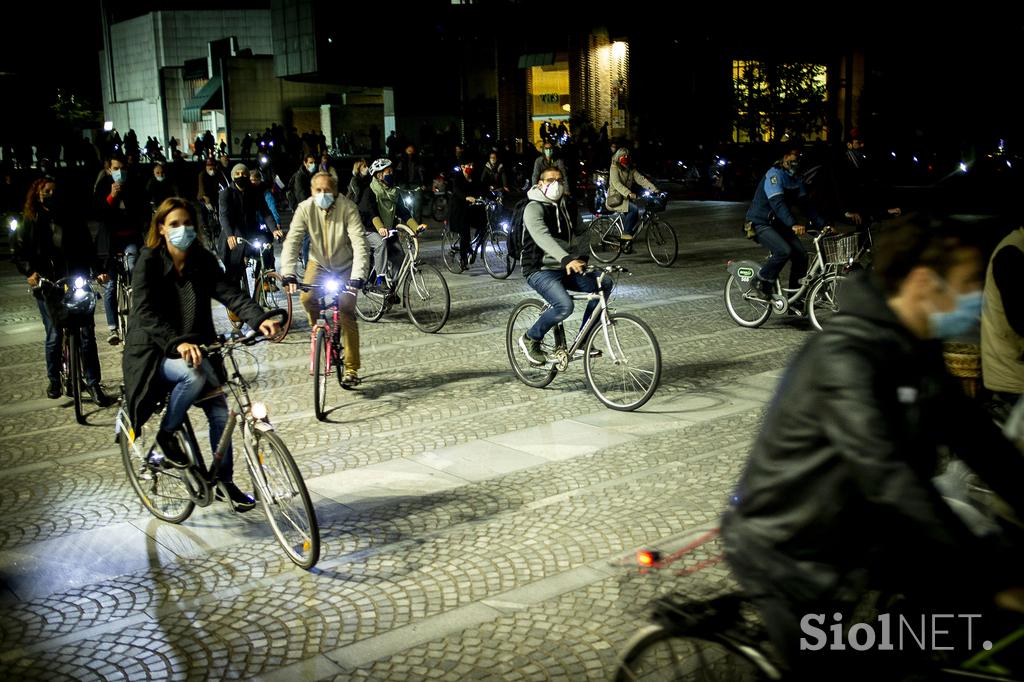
(549, 247)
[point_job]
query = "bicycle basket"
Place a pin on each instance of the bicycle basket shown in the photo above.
(840, 250)
(71, 309)
(655, 203)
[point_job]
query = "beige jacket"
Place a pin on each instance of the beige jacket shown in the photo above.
(1002, 348)
(620, 184)
(337, 240)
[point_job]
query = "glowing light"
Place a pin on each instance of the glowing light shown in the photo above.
(260, 411)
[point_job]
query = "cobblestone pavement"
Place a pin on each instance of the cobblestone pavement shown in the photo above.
(473, 527)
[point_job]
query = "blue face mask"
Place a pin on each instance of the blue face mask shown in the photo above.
(963, 319)
(389, 180)
(181, 237)
(118, 175)
(324, 200)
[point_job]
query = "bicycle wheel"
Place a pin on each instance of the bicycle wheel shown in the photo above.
(824, 299)
(74, 372)
(744, 308)
(605, 245)
(426, 297)
(496, 257)
(659, 653)
(320, 373)
(282, 492)
(622, 362)
(439, 208)
(165, 493)
(370, 302)
(124, 304)
(450, 249)
(275, 297)
(662, 243)
(523, 317)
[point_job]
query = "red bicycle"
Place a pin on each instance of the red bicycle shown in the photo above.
(325, 346)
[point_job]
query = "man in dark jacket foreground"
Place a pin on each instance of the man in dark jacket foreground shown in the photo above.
(837, 495)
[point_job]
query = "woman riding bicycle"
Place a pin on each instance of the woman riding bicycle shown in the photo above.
(621, 178)
(173, 284)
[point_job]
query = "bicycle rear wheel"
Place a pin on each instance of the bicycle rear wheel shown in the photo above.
(496, 257)
(426, 297)
(622, 362)
(824, 299)
(659, 653)
(661, 242)
(605, 245)
(165, 493)
(743, 307)
(450, 249)
(282, 492)
(320, 373)
(523, 317)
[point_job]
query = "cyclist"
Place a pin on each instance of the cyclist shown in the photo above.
(463, 214)
(553, 259)
(337, 248)
(837, 495)
(211, 182)
(771, 218)
(621, 178)
(243, 213)
(173, 285)
(53, 242)
(381, 208)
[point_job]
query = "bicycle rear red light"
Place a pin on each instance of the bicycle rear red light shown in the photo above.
(648, 557)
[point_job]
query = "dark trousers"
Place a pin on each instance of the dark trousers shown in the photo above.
(783, 245)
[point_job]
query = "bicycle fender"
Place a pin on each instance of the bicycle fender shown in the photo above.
(264, 427)
(745, 272)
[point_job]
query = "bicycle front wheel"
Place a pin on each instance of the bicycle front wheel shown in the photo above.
(746, 309)
(320, 372)
(523, 317)
(496, 257)
(824, 299)
(165, 493)
(450, 249)
(274, 296)
(74, 372)
(124, 304)
(426, 296)
(659, 653)
(371, 302)
(662, 243)
(439, 208)
(604, 233)
(282, 492)
(622, 362)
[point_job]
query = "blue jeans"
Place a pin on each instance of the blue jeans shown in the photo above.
(131, 252)
(554, 286)
(783, 245)
(187, 385)
(631, 218)
(52, 348)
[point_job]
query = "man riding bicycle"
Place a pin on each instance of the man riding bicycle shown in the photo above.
(837, 496)
(381, 208)
(337, 248)
(776, 229)
(554, 260)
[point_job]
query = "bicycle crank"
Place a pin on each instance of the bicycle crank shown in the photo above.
(559, 359)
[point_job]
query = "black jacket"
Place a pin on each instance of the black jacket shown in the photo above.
(54, 245)
(461, 213)
(300, 186)
(839, 479)
(242, 211)
(155, 325)
(122, 221)
(409, 172)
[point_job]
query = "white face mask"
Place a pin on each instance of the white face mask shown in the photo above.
(554, 191)
(211, 171)
(324, 200)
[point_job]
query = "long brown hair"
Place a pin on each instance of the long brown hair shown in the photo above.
(32, 201)
(154, 239)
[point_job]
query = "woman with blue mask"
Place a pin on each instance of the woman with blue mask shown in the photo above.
(173, 286)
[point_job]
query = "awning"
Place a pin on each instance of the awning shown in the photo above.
(536, 59)
(207, 95)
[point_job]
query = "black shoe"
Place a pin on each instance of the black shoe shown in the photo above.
(463, 264)
(394, 299)
(112, 338)
(173, 454)
(240, 502)
(532, 350)
(98, 396)
(53, 391)
(472, 258)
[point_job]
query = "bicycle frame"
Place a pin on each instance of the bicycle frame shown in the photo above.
(817, 270)
(599, 316)
(332, 330)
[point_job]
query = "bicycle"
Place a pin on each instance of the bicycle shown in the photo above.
(491, 243)
(269, 290)
(325, 345)
(621, 356)
(425, 294)
(439, 200)
(76, 304)
(123, 295)
(819, 288)
(606, 232)
(171, 494)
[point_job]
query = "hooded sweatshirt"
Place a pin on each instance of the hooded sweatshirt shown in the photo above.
(548, 243)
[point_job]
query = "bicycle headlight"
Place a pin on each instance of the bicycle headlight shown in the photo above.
(332, 286)
(257, 245)
(259, 411)
(13, 224)
(79, 283)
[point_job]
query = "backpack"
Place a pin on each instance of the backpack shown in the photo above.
(517, 229)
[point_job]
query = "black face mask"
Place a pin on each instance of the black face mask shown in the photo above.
(242, 182)
(48, 202)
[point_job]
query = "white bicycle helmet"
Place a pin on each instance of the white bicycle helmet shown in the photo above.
(379, 165)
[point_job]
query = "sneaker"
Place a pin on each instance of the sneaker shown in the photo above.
(173, 454)
(532, 350)
(53, 391)
(98, 396)
(112, 338)
(240, 502)
(625, 236)
(350, 379)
